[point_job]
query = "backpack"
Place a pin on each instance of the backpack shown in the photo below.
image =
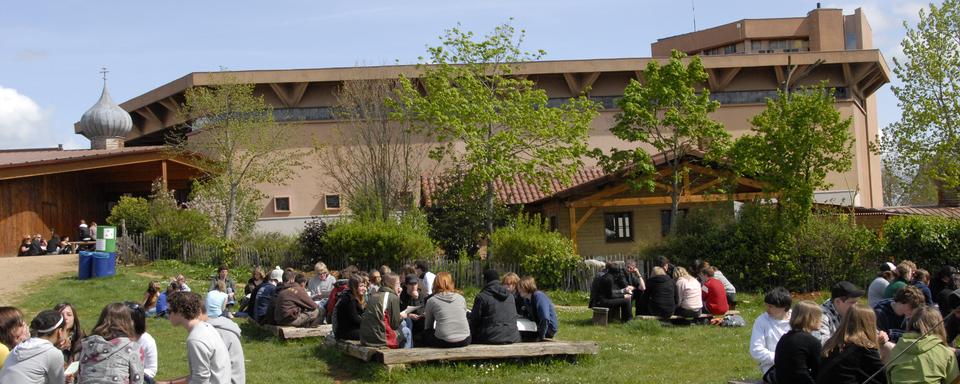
(392, 341)
(333, 298)
(733, 321)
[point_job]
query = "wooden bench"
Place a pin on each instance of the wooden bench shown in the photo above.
(676, 318)
(602, 316)
(287, 333)
(400, 358)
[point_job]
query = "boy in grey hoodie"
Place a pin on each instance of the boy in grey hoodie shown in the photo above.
(207, 354)
(230, 333)
(38, 360)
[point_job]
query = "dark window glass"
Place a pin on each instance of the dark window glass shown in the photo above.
(281, 204)
(618, 226)
(332, 201)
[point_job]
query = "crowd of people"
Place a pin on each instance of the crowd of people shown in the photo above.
(903, 336)
(37, 245)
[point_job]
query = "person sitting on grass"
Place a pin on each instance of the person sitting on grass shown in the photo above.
(510, 281)
(380, 325)
(216, 300)
(230, 333)
(257, 277)
(714, 294)
(880, 283)
(349, 311)
(223, 275)
(264, 296)
(207, 356)
(843, 295)
(922, 354)
(150, 298)
(110, 353)
(294, 307)
(659, 299)
(892, 313)
(13, 331)
(903, 275)
(540, 308)
(797, 357)
(72, 346)
(161, 308)
(445, 315)
(413, 295)
(38, 359)
(769, 327)
(852, 354)
(147, 343)
(921, 280)
(180, 279)
(614, 293)
(493, 319)
(689, 294)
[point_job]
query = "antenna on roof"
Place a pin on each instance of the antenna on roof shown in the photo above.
(693, 7)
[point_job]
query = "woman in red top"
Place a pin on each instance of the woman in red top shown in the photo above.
(714, 295)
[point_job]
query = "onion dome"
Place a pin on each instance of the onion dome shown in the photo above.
(105, 119)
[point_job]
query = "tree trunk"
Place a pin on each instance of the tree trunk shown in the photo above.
(230, 214)
(490, 200)
(676, 190)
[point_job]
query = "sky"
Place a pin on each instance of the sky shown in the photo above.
(51, 52)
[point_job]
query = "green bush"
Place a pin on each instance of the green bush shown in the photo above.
(275, 248)
(928, 241)
(371, 242)
(545, 254)
(133, 211)
(311, 238)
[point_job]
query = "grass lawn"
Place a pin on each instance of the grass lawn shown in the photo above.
(637, 352)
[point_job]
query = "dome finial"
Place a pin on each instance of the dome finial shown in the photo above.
(104, 71)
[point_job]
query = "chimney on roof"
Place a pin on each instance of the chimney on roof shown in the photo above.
(59, 147)
(818, 5)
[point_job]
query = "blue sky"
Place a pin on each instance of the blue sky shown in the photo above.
(51, 52)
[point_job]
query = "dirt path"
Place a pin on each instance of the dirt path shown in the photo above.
(19, 272)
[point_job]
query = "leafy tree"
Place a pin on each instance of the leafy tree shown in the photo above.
(905, 189)
(545, 254)
(491, 124)
(927, 137)
(796, 141)
(169, 220)
(239, 147)
(668, 113)
(452, 215)
(311, 240)
(133, 212)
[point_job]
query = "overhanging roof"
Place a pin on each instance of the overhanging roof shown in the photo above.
(27, 163)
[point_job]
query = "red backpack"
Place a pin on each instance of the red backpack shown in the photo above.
(392, 341)
(332, 299)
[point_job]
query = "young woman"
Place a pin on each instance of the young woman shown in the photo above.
(510, 281)
(445, 316)
(257, 278)
(13, 331)
(921, 280)
(769, 327)
(38, 360)
(110, 353)
(540, 308)
(217, 299)
(150, 298)
(147, 343)
(689, 294)
(72, 346)
(797, 357)
(852, 354)
(24, 249)
(349, 310)
(926, 359)
(374, 276)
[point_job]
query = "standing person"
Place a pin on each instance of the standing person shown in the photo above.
(321, 284)
(660, 297)
(110, 353)
(230, 333)
(223, 275)
(493, 319)
(150, 298)
(294, 307)
(714, 295)
(72, 345)
(769, 327)
(349, 311)
(216, 300)
(93, 230)
(921, 279)
(84, 231)
(892, 313)
(540, 308)
(382, 319)
(797, 357)
(445, 315)
(13, 331)
(843, 295)
(147, 343)
(852, 354)
(426, 277)
(923, 359)
(689, 294)
(880, 283)
(37, 360)
(904, 274)
(207, 354)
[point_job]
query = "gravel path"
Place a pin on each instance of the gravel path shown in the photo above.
(19, 272)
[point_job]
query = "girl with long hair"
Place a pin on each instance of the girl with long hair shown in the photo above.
(922, 354)
(852, 354)
(445, 315)
(72, 345)
(110, 353)
(797, 357)
(150, 298)
(349, 310)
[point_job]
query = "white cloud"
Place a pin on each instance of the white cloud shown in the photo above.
(22, 122)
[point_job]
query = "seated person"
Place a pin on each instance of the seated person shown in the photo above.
(923, 354)
(264, 296)
(294, 307)
(216, 300)
(541, 310)
(161, 308)
(660, 297)
(65, 246)
(689, 294)
(445, 315)
(714, 294)
(53, 246)
(413, 296)
(223, 275)
(493, 319)
(614, 293)
(25, 244)
(635, 280)
(380, 325)
(892, 313)
(510, 281)
(772, 324)
(349, 310)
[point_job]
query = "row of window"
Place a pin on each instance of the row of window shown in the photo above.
(618, 226)
(282, 203)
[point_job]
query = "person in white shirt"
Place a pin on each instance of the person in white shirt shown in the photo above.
(426, 277)
(769, 327)
(207, 354)
(148, 345)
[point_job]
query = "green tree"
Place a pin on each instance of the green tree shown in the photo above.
(452, 214)
(668, 113)
(490, 123)
(133, 212)
(239, 147)
(796, 141)
(927, 137)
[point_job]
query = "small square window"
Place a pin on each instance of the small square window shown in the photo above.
(618, 226)
(332, 201)
(281, 204)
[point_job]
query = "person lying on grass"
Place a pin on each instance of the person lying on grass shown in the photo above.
(540, 309)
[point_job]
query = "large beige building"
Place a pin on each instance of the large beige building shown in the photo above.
(747, 61)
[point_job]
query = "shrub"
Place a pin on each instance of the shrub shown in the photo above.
(373, 242)
(274, 248)
(311, 238)
(545, 254)
(134, 212)
(928, 241)
(456, 216)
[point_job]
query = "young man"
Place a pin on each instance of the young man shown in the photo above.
(493, 319)
(614, 292)
(426, 277)
(294, 307)
(383, 308)
(207, 355)
(223, 274)
(892, 313)
(843, 295)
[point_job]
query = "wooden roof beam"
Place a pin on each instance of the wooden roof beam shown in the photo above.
(661, 200)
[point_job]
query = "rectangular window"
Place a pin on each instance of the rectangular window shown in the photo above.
(281, 204)
(665, 220)
(730, 49)
(332, 201)
(777, 45)
(756, 45)
(618, 226)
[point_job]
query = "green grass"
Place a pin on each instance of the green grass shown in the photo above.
(637, 352)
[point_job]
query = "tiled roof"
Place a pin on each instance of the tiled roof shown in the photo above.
(21, 157)
(949, 212)
(519, 191)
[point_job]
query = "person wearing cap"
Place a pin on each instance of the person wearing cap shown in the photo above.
(38, 360)
(879, 284)
(843, 295)
(265, 294)
(892, 313)
(413, 295)
(493, 319)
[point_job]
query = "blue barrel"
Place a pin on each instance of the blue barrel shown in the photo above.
(86, 265)
(104, 264)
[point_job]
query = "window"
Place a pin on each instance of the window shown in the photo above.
(332, 201)
(554, 224)
(281, 204)
(778, 45)
(730, 49)
(618, 226)
(665, 220)
(756, 45)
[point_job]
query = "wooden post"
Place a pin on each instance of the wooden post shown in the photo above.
(163, 173)
(573, 227)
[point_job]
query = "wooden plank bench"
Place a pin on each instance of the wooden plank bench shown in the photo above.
(676, 318)
(287, 333)
(400, 358)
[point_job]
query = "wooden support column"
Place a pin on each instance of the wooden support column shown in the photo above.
(573, 227)
(163, 173)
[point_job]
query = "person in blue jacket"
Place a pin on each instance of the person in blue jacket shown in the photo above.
(539, 308)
